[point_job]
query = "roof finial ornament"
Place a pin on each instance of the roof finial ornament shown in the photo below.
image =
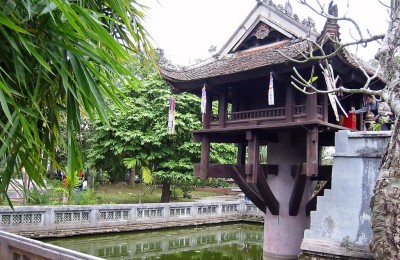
(288, 9)
(332, 11)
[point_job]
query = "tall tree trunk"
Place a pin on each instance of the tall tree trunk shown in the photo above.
(166, 191)
(385, 206)
(132, 176)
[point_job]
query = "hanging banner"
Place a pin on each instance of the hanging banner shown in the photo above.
(271, 100)
(203, 100)
(171, 116)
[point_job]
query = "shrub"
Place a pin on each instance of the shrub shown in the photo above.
(86, 197)
(38, 196)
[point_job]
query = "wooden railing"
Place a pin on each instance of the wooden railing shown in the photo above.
(271, 113)
(268, 114)
(299, 110)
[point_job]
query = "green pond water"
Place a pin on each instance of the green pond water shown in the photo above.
(238, 241)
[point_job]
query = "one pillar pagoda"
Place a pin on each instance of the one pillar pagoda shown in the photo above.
(294, 127)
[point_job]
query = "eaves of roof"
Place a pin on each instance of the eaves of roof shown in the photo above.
(238, 62)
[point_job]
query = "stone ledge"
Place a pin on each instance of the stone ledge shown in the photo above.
(66, 232)
(335, 250)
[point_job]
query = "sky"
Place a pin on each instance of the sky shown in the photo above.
(185, 29)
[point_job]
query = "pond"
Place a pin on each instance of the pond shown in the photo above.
(237, 241)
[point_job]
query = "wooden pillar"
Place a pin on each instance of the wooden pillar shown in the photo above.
(241, 154)
(289, 104)
(208, 114)
(205, 157)
(222, 109)
(312, 152)
(311, 107)
(253, 159)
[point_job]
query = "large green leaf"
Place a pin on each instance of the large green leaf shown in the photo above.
(59, 62)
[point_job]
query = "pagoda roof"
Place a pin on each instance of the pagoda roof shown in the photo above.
(270, 35)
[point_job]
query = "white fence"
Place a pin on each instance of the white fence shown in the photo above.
(56, 221)
(60, 221)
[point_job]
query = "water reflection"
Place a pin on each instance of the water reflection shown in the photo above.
(237, 241)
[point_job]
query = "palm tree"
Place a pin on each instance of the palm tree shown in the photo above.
(60, 58)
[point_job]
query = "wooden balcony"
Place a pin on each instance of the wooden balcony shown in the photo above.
(266, 116)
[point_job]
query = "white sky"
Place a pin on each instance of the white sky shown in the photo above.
(185, 29)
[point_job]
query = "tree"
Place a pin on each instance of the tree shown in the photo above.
(385, 206)
(59, 58)
(139, 134)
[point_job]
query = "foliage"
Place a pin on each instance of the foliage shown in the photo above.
(59, 59)
(70, 183)
(102, 177)
(139, 134)
(143, 165)
(38, 196)
(86, 197)
(210, 182)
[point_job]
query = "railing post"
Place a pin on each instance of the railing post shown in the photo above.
(289, 104)
(94, 217)
(222, 109)
(133, 214)
(166, 214)
(311, 107)
(207, 115)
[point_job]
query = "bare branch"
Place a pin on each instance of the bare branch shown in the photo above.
(322, 13)
(328, 56)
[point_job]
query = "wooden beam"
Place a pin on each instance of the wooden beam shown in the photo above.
(312, 151)
(222, 170)
(311, 107)
(241, 153)
(205, 157)
(289, 104)
(222, 109)
(298, 190)
(324, 173)
(253, 158)
(207, 115)
(250, 192)
(266, 193)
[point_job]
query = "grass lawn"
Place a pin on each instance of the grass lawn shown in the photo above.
(119, 193)
(124, 194)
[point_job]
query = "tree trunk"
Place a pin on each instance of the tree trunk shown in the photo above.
(385, 210)
(166, 192)
(132, 177)
(385, 204)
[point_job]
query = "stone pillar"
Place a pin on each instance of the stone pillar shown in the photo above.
(283, 233)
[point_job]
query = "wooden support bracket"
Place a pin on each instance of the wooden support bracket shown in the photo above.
(266, 193)
(298, 190)
(250, 192)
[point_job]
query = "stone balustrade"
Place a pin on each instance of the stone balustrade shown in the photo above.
(61, 221)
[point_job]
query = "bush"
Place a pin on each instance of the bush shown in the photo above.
(102, 177)
(86, 197)
(38, 196)
(211, 182)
